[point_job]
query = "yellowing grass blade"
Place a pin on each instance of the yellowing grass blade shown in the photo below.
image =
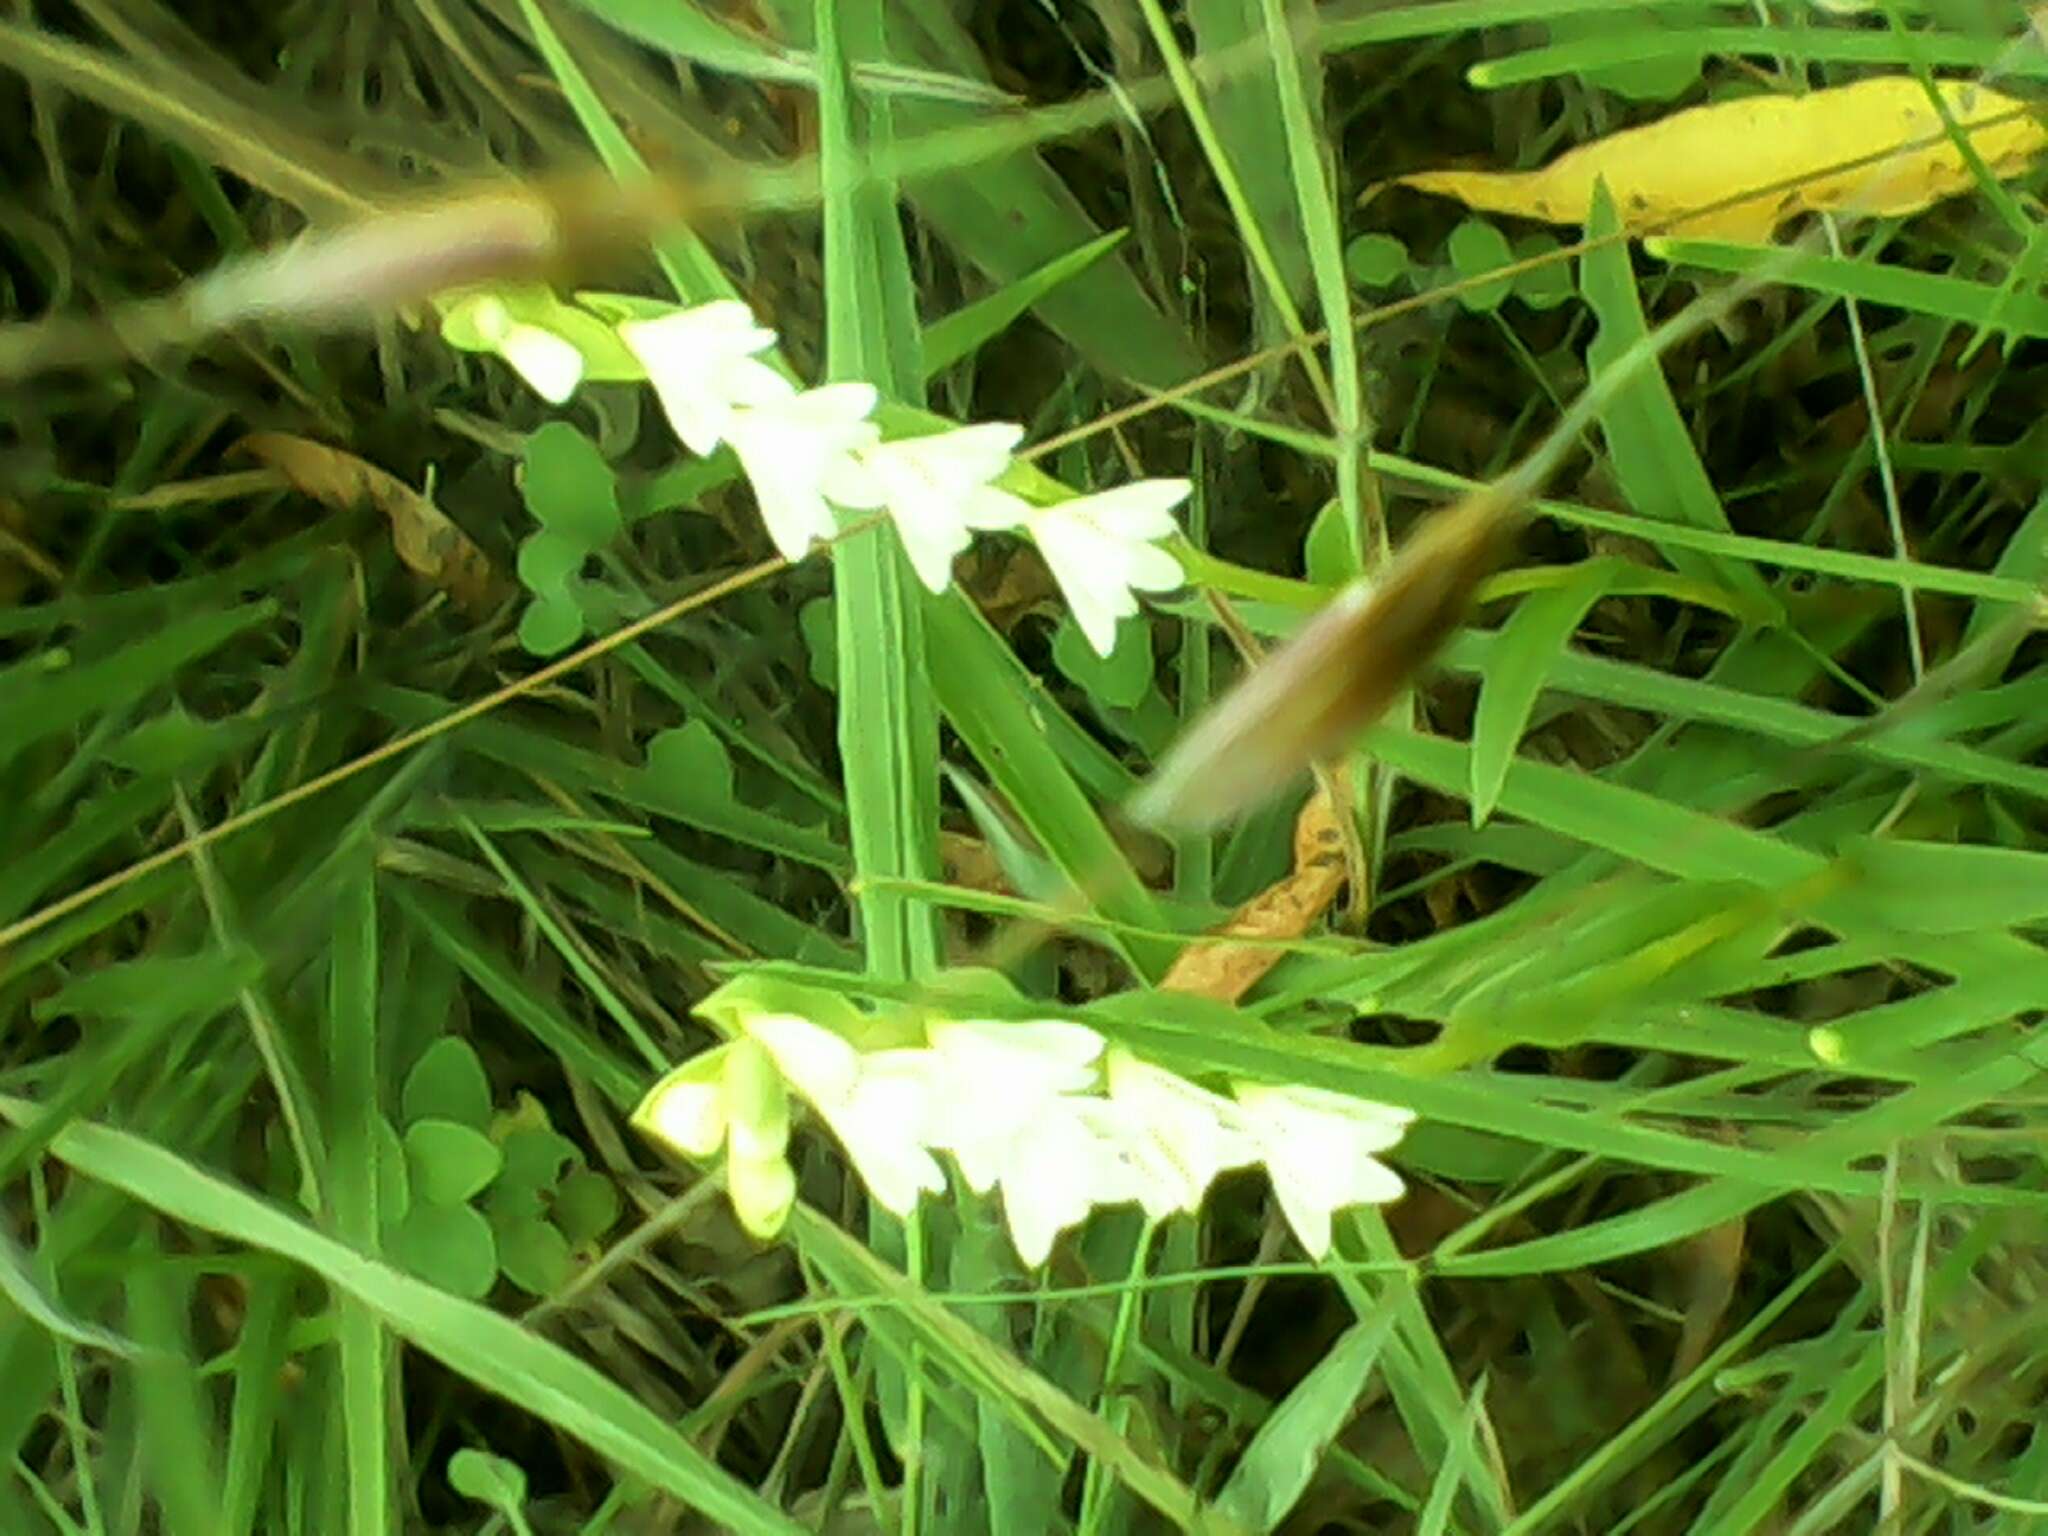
(1875, 147)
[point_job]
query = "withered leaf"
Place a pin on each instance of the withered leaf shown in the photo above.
(426, 540)
(1215, 966)
(1875, 147)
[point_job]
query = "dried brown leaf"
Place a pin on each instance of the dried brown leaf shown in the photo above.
(423, 535)
(1709, 1264)
(1216, 967)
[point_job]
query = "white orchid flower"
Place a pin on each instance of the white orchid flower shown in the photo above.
(1103, 549)
(1319, 1147)
(1181, 1134)
(876, 1104)
(997, 1080)
(792, 449)
(730, 1098)
(550, 364)
(1075, 1158)
(881, 1125)
(702, 365)
(936, 489)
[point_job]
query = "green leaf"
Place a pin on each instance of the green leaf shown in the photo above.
(552, 623)
(569, 487)
(586, 1206)
(1655, 79)
(452, 1246)
(1938, 295)
(1924, 887)
(535, 1256)
(888, 729)
(21, 1285)
(449, 1163)
(1288, 1448)
(39, 705)
(2024, 558)
(691, 33)
(166, 744)
(447, 1083)
(1327, 551)
(1549, 285)
(964, 332)
(987, 697)
(536, 1009)
(692, 755)
(821, 642)
(1376, 261)
(1647, 441)
(511, 1202)
(1662, 74)
(394, 1179)
(1476, 1157)
(1540, 627)
(535, 1158)
(1476, 248)
(1120, 680)
(487, 1479)
(160, 988)
(549, 560)
(1028, 872)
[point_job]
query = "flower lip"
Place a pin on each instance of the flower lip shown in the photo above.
(793, 449)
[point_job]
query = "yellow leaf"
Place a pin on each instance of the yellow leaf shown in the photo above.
(1875, 147)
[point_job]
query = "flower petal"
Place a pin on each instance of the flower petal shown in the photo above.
(958, 456)
(549, 364)
(1100, 550)
(1318, 1147)
(756, 1102)
(820, 1065)
(930, 485)
(762, 1191)
(688, 1109)
(701, 364)
(881, 1125)
(1052, 1179)
(689, 1116)
(1020, 1056)
(1185, 1135)
(792, 449)
(998, 1079)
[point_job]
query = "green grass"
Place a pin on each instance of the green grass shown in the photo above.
(339, 935)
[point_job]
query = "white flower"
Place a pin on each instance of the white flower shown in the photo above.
(1182, 1135)
(762, 1191)
(686, 1109)
(792, 448)
(730, 1097)
(881, 1124)
(701, 363)
(997, 1080)
(935, 489)
(876, 1104)
(1102, 549)
(1075, 1158)
(550, 364)
(1319, 1148)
